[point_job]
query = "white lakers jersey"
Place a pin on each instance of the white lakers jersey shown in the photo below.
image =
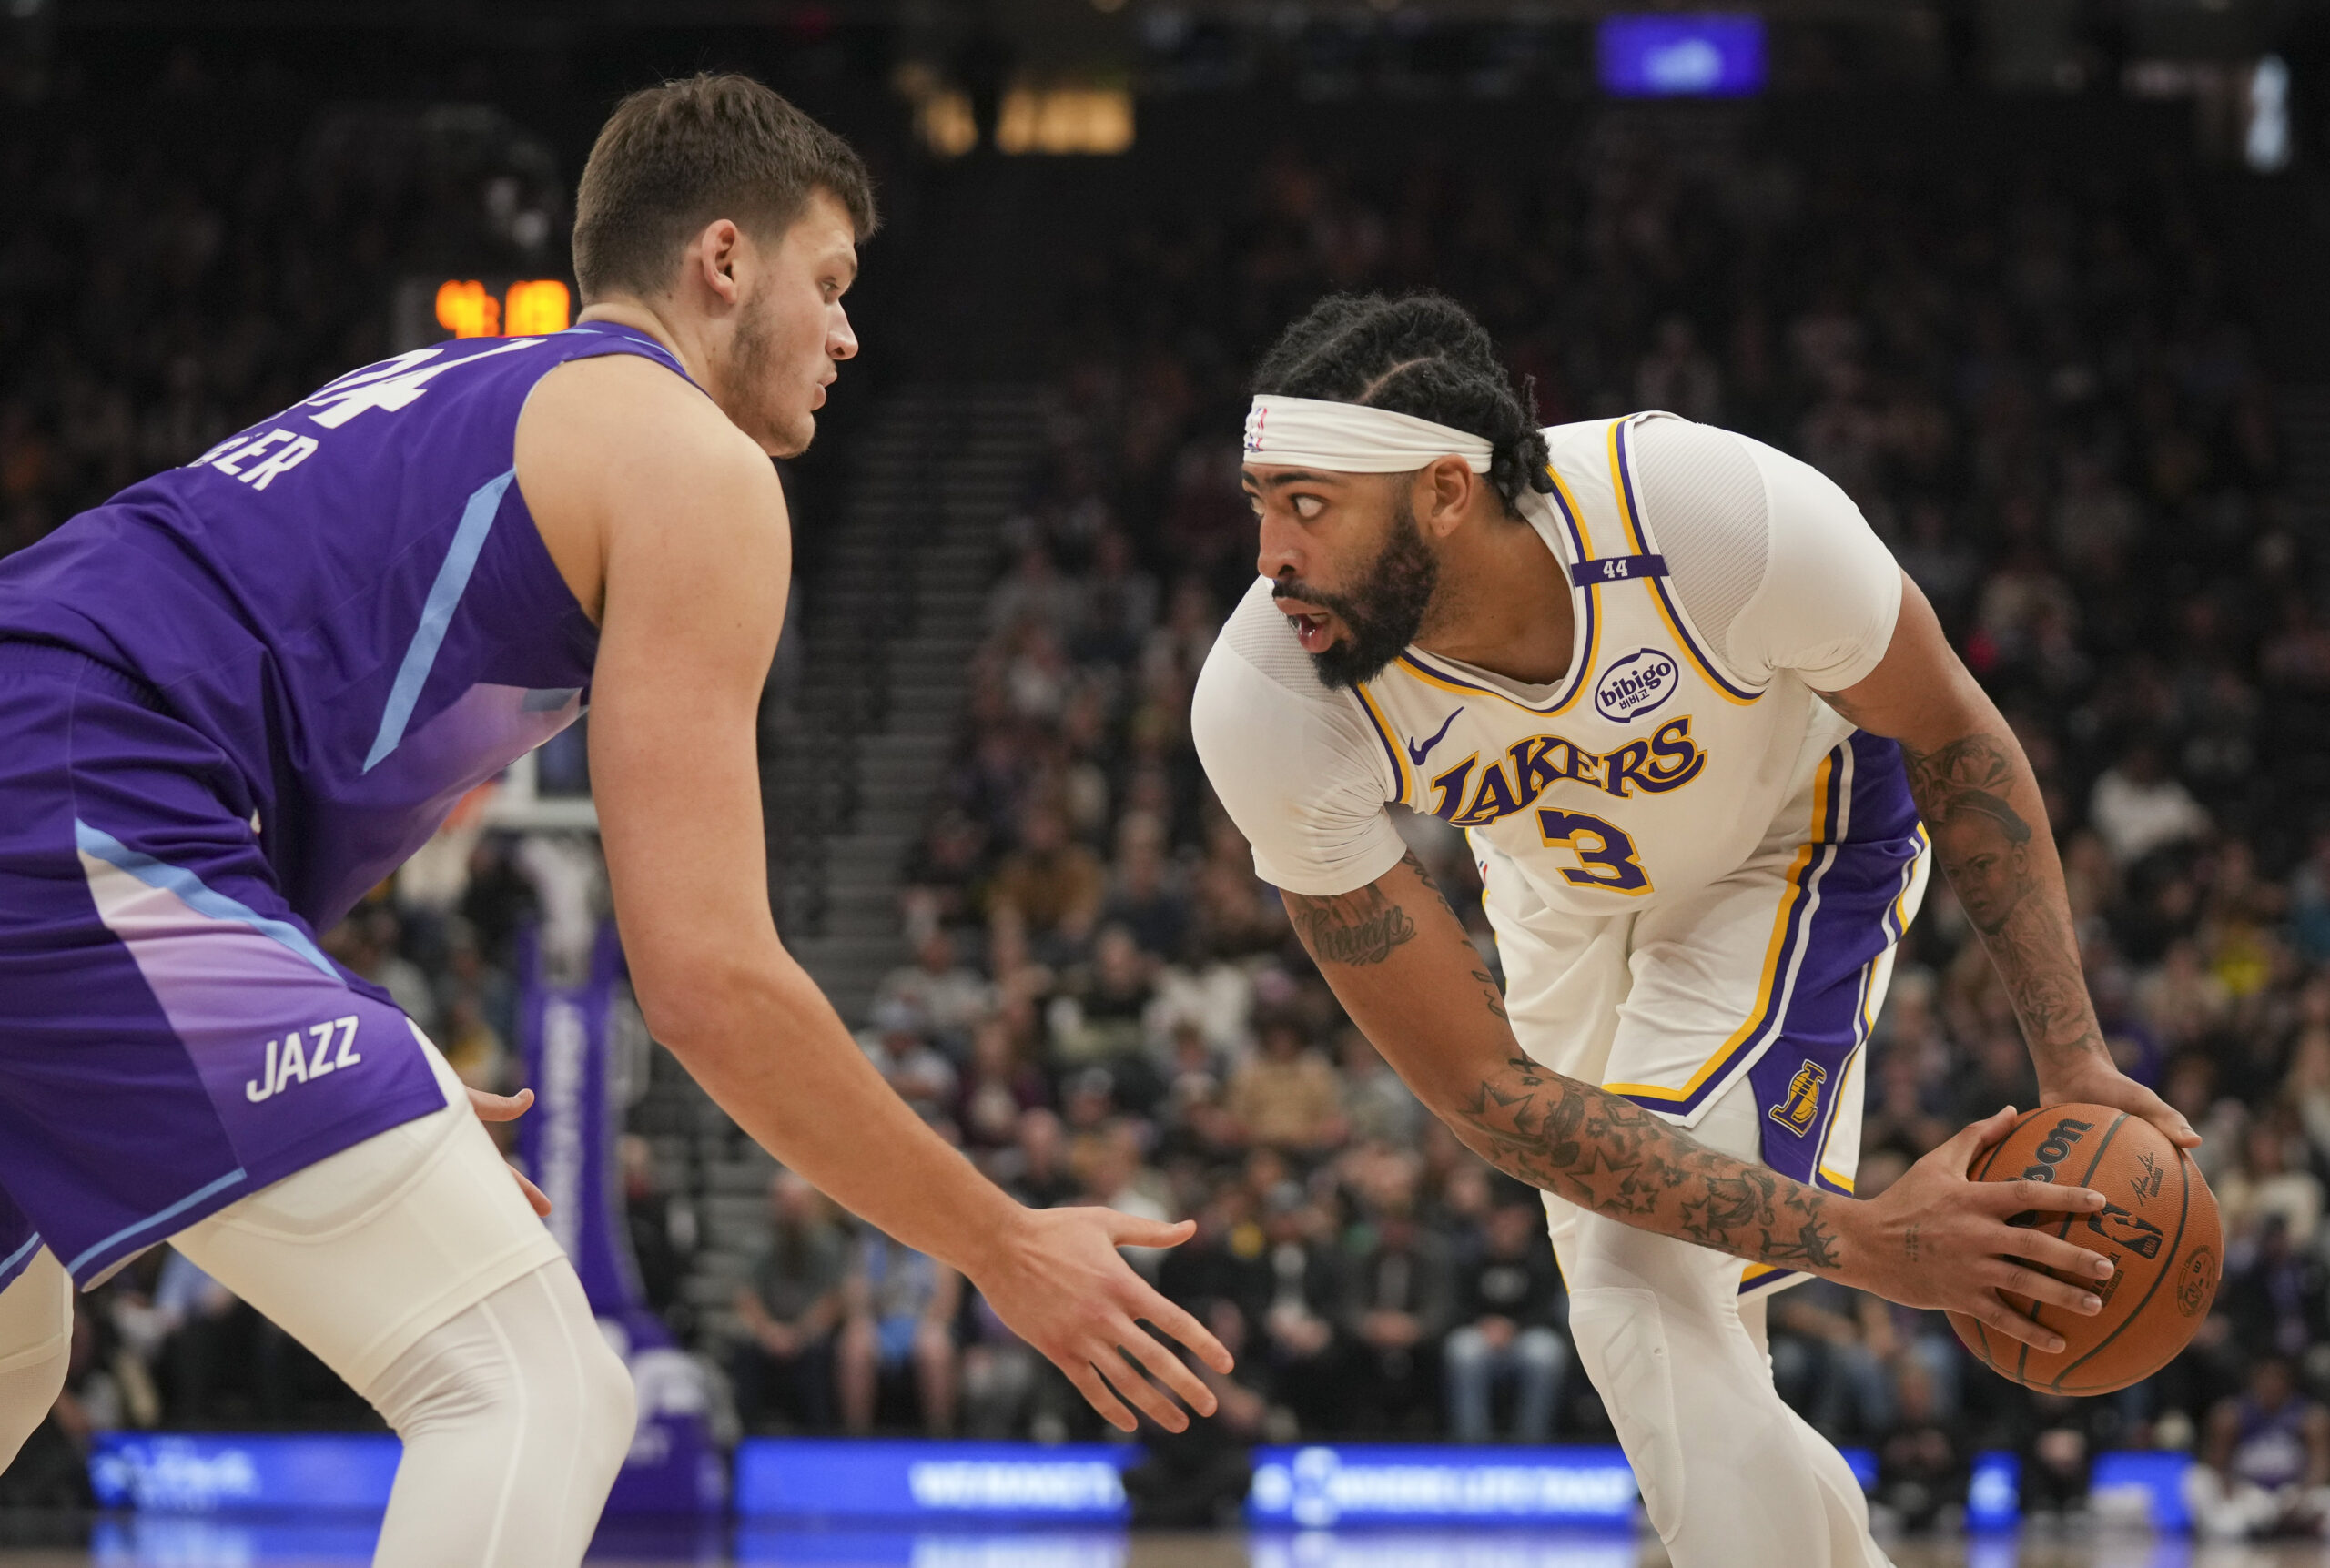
(1655, 765)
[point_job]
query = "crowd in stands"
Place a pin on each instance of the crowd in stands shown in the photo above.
(2043, 393)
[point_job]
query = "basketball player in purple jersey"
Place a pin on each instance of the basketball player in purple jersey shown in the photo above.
(244, 691)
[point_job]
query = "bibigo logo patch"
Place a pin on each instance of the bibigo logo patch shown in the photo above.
(1634, 685)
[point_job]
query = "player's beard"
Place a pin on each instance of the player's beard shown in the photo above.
(754, 360)
(1383, 611)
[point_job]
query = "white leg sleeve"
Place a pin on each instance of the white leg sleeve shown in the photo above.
(1730, 1476)
(1843, 1502)
(35, 1347)
(515, 1417)
(412, 1267)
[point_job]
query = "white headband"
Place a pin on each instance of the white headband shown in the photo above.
(1346, 437)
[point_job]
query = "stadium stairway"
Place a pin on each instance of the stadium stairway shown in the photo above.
(890, 628)
(854, 751)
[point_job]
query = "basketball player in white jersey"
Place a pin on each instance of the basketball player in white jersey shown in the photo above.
(1657, 673)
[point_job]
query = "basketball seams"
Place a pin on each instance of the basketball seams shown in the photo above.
(2170, 1254)
(2063, 1232)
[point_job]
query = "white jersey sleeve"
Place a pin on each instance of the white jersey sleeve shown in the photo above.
(1775, 564)
(1298, 765)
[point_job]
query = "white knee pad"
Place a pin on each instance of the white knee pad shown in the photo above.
(515, 1416)
(35, 1349)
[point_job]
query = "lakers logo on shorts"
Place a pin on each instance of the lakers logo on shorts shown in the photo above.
(1800, 1107)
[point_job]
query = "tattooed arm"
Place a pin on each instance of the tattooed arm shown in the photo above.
(1981, 802)
(1404, 968)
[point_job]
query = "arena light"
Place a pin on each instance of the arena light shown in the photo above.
(1708, 55)
(1064, 120)
(2265, 139)
(529, 306)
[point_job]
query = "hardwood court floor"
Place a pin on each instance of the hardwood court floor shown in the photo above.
(214, 1548)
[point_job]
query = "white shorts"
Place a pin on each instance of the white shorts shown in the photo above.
(1764, 982)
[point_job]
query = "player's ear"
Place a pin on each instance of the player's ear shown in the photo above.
(715, 256)
(1447, 488)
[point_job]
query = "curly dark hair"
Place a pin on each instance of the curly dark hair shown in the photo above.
(1421, 354)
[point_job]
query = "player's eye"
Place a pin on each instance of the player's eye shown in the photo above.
(1308, 507)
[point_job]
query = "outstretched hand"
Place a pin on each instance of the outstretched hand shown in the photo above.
(1059, 1283)
(1938, 1239)
(510, 1107)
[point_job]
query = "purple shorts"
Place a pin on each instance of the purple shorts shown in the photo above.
(171, 1036)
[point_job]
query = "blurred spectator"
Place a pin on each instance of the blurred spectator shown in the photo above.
(998, 1086)
(2138, 807)
(1402, 1300)
(1378, 1106)
(2266, 1185)
(1035, 1168)
(662, 1227)
(783, 1369)
(947, 995)
(2275, 1297)
(1509, 1304)
(1052, 883)
(1831, 1347)
(1921, 1462)
(902, 1052)
(1308, 1286)
(1287, 1096)
(1197, 1479)
(1144, 888)
(2264, 1464)
(899, 1322)
(2058, 1443)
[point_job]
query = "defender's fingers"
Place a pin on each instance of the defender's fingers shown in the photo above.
(1124, 1376)
(1167, 1368)
(2015, 1326)
(2023, 1194)
(535, 1196)
(2038, 1285)
(1174, 1321)
(1095, 1394)
(490, 1106)
(1132, 1231)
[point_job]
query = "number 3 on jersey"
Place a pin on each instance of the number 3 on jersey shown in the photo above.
(1605, 855)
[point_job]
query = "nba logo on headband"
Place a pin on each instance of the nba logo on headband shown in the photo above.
(1255, 418)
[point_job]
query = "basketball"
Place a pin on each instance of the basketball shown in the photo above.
(2159, 1226)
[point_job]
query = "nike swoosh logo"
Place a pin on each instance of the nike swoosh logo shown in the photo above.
(1416, 753)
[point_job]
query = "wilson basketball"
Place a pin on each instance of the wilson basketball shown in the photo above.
(2159, 1225)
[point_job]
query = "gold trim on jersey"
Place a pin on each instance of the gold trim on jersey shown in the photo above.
(1384, 732)
(1775, 952)
(1588, 647)
(1622, 487)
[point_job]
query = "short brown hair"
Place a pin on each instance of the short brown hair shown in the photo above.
(674, 157)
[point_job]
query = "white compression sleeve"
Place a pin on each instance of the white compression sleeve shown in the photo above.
(35, 1347)
(412, 1267)
(515, 1417)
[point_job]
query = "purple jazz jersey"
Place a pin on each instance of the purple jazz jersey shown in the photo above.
(232, 699)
